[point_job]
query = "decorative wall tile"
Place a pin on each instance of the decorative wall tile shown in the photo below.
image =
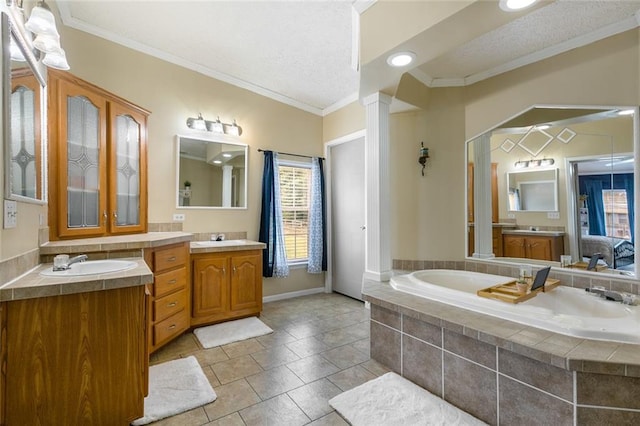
(422, 364)
(521, 405)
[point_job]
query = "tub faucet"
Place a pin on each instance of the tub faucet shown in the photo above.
(76, 259)
(616, 296)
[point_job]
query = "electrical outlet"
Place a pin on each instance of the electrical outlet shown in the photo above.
(511, 215)
(553, 215)
(178, 217)
(10, 214)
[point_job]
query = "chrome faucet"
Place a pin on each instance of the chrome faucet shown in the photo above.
(75, 259)
(616, 296)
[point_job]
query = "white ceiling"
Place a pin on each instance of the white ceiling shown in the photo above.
(299, 51)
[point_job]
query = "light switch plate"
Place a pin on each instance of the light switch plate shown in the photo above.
(178, 217)
(553, 215)
(10, 214)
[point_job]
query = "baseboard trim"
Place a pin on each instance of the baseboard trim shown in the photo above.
(292, 294)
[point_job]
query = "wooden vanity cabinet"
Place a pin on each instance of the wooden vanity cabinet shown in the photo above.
(538, 247)
(97, 161)
(226, 285)
(496, 238)
(170, 293)
(75, 359)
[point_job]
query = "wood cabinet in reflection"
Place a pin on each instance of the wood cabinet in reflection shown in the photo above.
(494, 193)
(533, 247)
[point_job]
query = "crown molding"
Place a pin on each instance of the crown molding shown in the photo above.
(580, 41)
(340, 104)
(77, 24)
(361, 6)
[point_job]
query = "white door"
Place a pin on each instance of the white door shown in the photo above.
(348, 217)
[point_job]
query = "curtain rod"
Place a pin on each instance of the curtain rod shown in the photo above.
(287, 153)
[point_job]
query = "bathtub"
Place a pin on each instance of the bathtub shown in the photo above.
(564, 310)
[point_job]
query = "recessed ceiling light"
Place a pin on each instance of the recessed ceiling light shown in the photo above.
(513, 5)
(626, 112)
(401, 59)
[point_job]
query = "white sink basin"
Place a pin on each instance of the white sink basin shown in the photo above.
(224, 243)
(91, 267)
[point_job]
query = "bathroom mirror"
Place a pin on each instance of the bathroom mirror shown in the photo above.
(24, 117)
(535, 190)
(211, 173)
(582, 162)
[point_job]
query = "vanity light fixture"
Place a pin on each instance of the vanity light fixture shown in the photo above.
(515, 5)
(401, 59)
(42, 24)
(545, 162)
(214, 126)
(521, 164)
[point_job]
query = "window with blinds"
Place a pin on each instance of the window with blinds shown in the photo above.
(295, 184)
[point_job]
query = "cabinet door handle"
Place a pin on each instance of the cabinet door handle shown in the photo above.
(234, 269)
(173, 281)
(172, 326)
(171, 259)
(172, 304)
(105, 216)
(224, 271)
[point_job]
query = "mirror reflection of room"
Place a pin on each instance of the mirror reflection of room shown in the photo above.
(564, 182)
(211, 174)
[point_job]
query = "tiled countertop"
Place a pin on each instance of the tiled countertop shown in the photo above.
(227, 245)
(119, 242)
(563, 351)
(32, 284)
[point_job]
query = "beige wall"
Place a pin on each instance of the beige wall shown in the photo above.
(345, 121)
(428, 214)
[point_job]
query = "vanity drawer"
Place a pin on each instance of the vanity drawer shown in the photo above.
(170, 327)
(170, 257)
(168, 305)
(167, 282)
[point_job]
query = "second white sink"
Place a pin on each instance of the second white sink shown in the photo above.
(91, 267)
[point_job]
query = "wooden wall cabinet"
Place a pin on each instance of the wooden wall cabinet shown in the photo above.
(496, 237)
(226, 285)
(170, 293)
(75, 359)
(97, 161)
(533, 246)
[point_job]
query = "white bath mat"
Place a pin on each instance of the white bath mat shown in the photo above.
(391, 399)
(231, 331)
(175, 387)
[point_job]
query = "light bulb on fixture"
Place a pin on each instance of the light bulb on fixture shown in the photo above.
(521, 164)
(234, 129)
(216, 126)
(197, 123)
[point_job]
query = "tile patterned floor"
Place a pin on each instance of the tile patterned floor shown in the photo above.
(319, 348)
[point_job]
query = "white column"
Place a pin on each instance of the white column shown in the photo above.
(377, 187)
(483, 241)
(226, 185)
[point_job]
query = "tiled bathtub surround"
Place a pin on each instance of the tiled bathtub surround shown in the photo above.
(567, 277)
(501, 372)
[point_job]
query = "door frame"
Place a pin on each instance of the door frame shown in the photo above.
(328, 277)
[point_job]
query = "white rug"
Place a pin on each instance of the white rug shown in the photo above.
(231, 331)
(391, 399)
(175, 387)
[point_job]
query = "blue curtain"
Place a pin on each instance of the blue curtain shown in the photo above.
(274, 261)
(595, 207)
(316, 243)
(592, 185)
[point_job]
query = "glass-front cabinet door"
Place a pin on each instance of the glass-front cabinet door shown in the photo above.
(82, 162)
(99, 163)
(127, 170)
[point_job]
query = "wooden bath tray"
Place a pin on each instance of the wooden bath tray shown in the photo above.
(584, 265)
(508, 292)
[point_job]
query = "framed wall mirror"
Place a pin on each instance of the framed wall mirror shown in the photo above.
(578, 164)
(24, 107)
(211, 173)
(532, 190)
